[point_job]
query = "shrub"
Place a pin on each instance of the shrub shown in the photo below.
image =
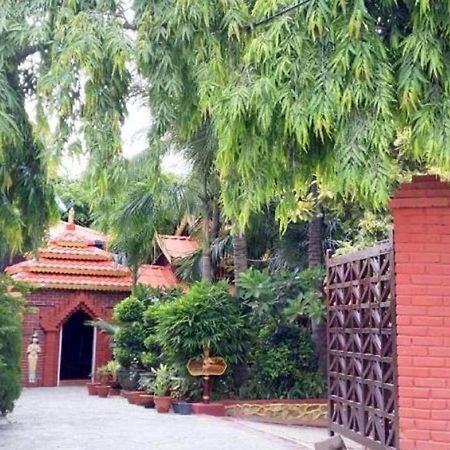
(164, 380)
(11, 310)
(129, 310)
(283, 365)
(133, 343)
(129, 344)
(282, 305)
(205, 317)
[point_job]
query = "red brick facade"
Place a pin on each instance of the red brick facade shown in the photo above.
(47, 311)
(421, 212)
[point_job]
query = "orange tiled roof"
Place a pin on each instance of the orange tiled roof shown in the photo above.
(175, 247)
(71, 261)
(157, 276)
(86, 233)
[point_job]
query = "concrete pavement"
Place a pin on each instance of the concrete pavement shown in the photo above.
(67, 418)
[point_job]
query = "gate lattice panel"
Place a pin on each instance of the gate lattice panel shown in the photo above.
(361, 347)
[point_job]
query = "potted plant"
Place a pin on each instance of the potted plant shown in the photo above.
(145, 398)
(180, 395)
(104, 374)
(110, 374)
(102, 390)
(161, 388)
(92, 387)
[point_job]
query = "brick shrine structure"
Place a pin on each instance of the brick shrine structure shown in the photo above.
(74, 279)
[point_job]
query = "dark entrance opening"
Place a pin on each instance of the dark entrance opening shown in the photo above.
(76, 348)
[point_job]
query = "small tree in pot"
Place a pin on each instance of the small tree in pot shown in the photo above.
(205, 317)
(162, 387)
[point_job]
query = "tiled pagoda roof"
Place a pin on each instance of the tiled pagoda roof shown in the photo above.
(87, 233)
(161, 276)
(72, 261)
(174, 247)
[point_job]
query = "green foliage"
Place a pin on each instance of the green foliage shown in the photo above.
(129, 345)
(286, 294)
(76, 194)
(130, 336)
(108, 372)
(320, 93)
(129, 310)
(149, 205)
(134, 342)
(11, 310)
(281, 359)
(205, 317)
(163, 382)
(283, 365)
(104, 326)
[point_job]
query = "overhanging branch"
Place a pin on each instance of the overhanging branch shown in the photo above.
(282, 12)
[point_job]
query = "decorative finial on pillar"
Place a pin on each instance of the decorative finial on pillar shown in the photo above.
(71, 218)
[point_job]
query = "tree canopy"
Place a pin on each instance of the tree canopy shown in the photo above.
(341, 92)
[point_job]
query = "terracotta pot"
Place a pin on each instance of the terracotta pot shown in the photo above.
(162, 404)
(183, 408)
(132, 396)
(144, 400)
(124, 393)
(113, 391)
(102, 390)
(91, 387)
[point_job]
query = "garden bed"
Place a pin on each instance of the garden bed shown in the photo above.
(311, 412)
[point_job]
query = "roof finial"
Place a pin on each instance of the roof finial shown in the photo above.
(71, 218)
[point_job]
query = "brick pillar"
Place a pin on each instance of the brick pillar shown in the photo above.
(51, 358)
(103, 349)
(421, 212)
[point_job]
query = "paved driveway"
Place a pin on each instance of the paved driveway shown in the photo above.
(67, 418)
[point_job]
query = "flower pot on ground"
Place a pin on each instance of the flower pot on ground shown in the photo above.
(107, 374)
(128, 378)
(181, 392)
(95, 387)
(91, 387)
(132, 395)
(102, 390)
(162, 387)
(145, 400)
(181, 407)
(162, 404)
(113, 390)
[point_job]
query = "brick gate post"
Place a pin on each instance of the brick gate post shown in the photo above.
(421, 212)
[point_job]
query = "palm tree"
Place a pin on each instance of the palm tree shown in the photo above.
(146, 204)
(202, 153)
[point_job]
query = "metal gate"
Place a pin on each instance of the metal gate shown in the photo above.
(362, 377)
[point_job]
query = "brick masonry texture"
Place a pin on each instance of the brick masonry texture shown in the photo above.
(47, 310)
(421, 212)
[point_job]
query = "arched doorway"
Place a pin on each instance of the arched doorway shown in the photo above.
(77, 343)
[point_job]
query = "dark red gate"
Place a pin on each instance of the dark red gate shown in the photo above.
(361, 347)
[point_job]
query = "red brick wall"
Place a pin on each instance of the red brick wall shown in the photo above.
(421, 212)
(46, 312)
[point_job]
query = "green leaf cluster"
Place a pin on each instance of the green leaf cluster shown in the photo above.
(11, 313)
(321, 93)
(283, 295)
(205, 317)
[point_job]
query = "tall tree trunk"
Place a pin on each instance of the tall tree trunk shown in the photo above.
(315, 258)
(239, 255)
(206, 248)
(215, 225)
(134, 276)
